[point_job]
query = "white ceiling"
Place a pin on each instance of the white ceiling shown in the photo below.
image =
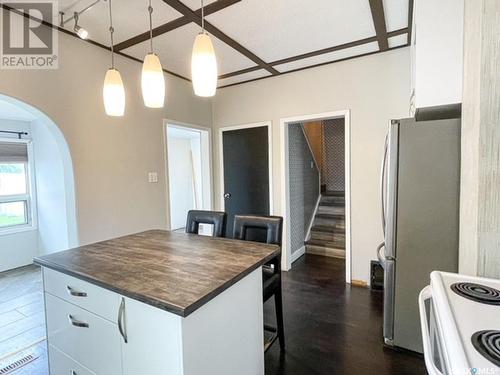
(270, 29)
(396, 14)
(278, 29)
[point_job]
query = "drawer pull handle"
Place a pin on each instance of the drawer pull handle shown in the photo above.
(75, 293)
(72, 372)
(121, 326)
(77, 323)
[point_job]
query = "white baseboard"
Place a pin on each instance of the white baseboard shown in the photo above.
(297, 254)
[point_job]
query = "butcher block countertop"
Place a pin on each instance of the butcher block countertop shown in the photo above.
(175, 272)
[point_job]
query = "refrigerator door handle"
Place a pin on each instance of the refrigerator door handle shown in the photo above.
(380, 256)
(382, 180)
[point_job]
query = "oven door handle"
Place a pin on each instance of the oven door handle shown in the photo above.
(425, 295)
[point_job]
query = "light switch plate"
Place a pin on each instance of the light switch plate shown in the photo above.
(152, 177)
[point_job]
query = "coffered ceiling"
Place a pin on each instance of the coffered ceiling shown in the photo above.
(253, 39)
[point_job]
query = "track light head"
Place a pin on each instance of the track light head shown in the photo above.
(80, 31)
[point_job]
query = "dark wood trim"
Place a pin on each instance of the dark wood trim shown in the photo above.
(377, 8)
(402, 31)
(325, 50)
(242, 71)
(175, 24)
(316, 53)
(97, 44)
(410, 20)
(314, 66)
(193, 17)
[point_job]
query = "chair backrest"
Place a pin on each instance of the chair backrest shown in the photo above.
(197, 217)
(272, 225)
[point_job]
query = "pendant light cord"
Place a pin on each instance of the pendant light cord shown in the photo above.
(150, 10)
(111, 31)
(202, 17)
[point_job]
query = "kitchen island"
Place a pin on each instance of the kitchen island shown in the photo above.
(156, 302)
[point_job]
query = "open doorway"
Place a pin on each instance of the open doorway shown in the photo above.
(189, 173)
(316, 173)
(37, 217)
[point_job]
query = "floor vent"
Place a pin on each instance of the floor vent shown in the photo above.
(17, 364)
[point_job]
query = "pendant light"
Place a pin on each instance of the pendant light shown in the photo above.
(152, 79)
(113, 92)
(203, 63)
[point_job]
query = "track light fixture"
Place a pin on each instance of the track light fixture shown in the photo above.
(80, 31)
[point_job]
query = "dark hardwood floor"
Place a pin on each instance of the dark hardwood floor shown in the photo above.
(332, 328)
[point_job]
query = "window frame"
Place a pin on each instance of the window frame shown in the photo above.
(29, 197)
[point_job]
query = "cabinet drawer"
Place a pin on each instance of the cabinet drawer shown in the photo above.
(61, 364)
(91, 297)
(87, 338)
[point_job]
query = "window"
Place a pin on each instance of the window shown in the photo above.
(15, 191)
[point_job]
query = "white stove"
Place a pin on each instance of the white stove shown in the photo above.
(460, 319)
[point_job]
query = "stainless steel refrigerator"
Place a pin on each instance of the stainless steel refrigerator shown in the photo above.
(420, 179)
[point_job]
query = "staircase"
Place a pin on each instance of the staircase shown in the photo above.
(328, 231)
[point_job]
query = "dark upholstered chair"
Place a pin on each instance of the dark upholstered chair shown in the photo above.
(268, 229)
(197, 217)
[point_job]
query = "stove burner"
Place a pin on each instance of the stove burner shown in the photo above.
(488, 344)
(478, 293)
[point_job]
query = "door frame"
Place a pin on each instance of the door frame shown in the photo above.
(285, 183)
(270, 157)
(187, 126)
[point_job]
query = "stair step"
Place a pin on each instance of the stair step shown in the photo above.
(332, 210)
(335, 203)
(332, 201)
(330, 193)
(329, 244)
(328, 228)
(338, 217)
(324, 251)
(328, 236)
(329, 219)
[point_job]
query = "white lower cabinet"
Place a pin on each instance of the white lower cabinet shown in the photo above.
(120, 335)
(61, 364)
(87, 338)
(154, 343)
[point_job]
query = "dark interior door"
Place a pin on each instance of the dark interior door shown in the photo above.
(246, 173)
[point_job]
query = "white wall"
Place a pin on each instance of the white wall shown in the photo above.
(180, 173)
(17, 249)
(375, 88)
(111, 156)
(197, 175)
(53, 218)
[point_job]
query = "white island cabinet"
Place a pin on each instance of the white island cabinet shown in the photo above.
(156, 303)
(93, 330)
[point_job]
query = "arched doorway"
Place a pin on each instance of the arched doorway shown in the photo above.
(37, 217)
(37, 179)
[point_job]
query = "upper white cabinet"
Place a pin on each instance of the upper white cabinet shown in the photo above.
(437, 53)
